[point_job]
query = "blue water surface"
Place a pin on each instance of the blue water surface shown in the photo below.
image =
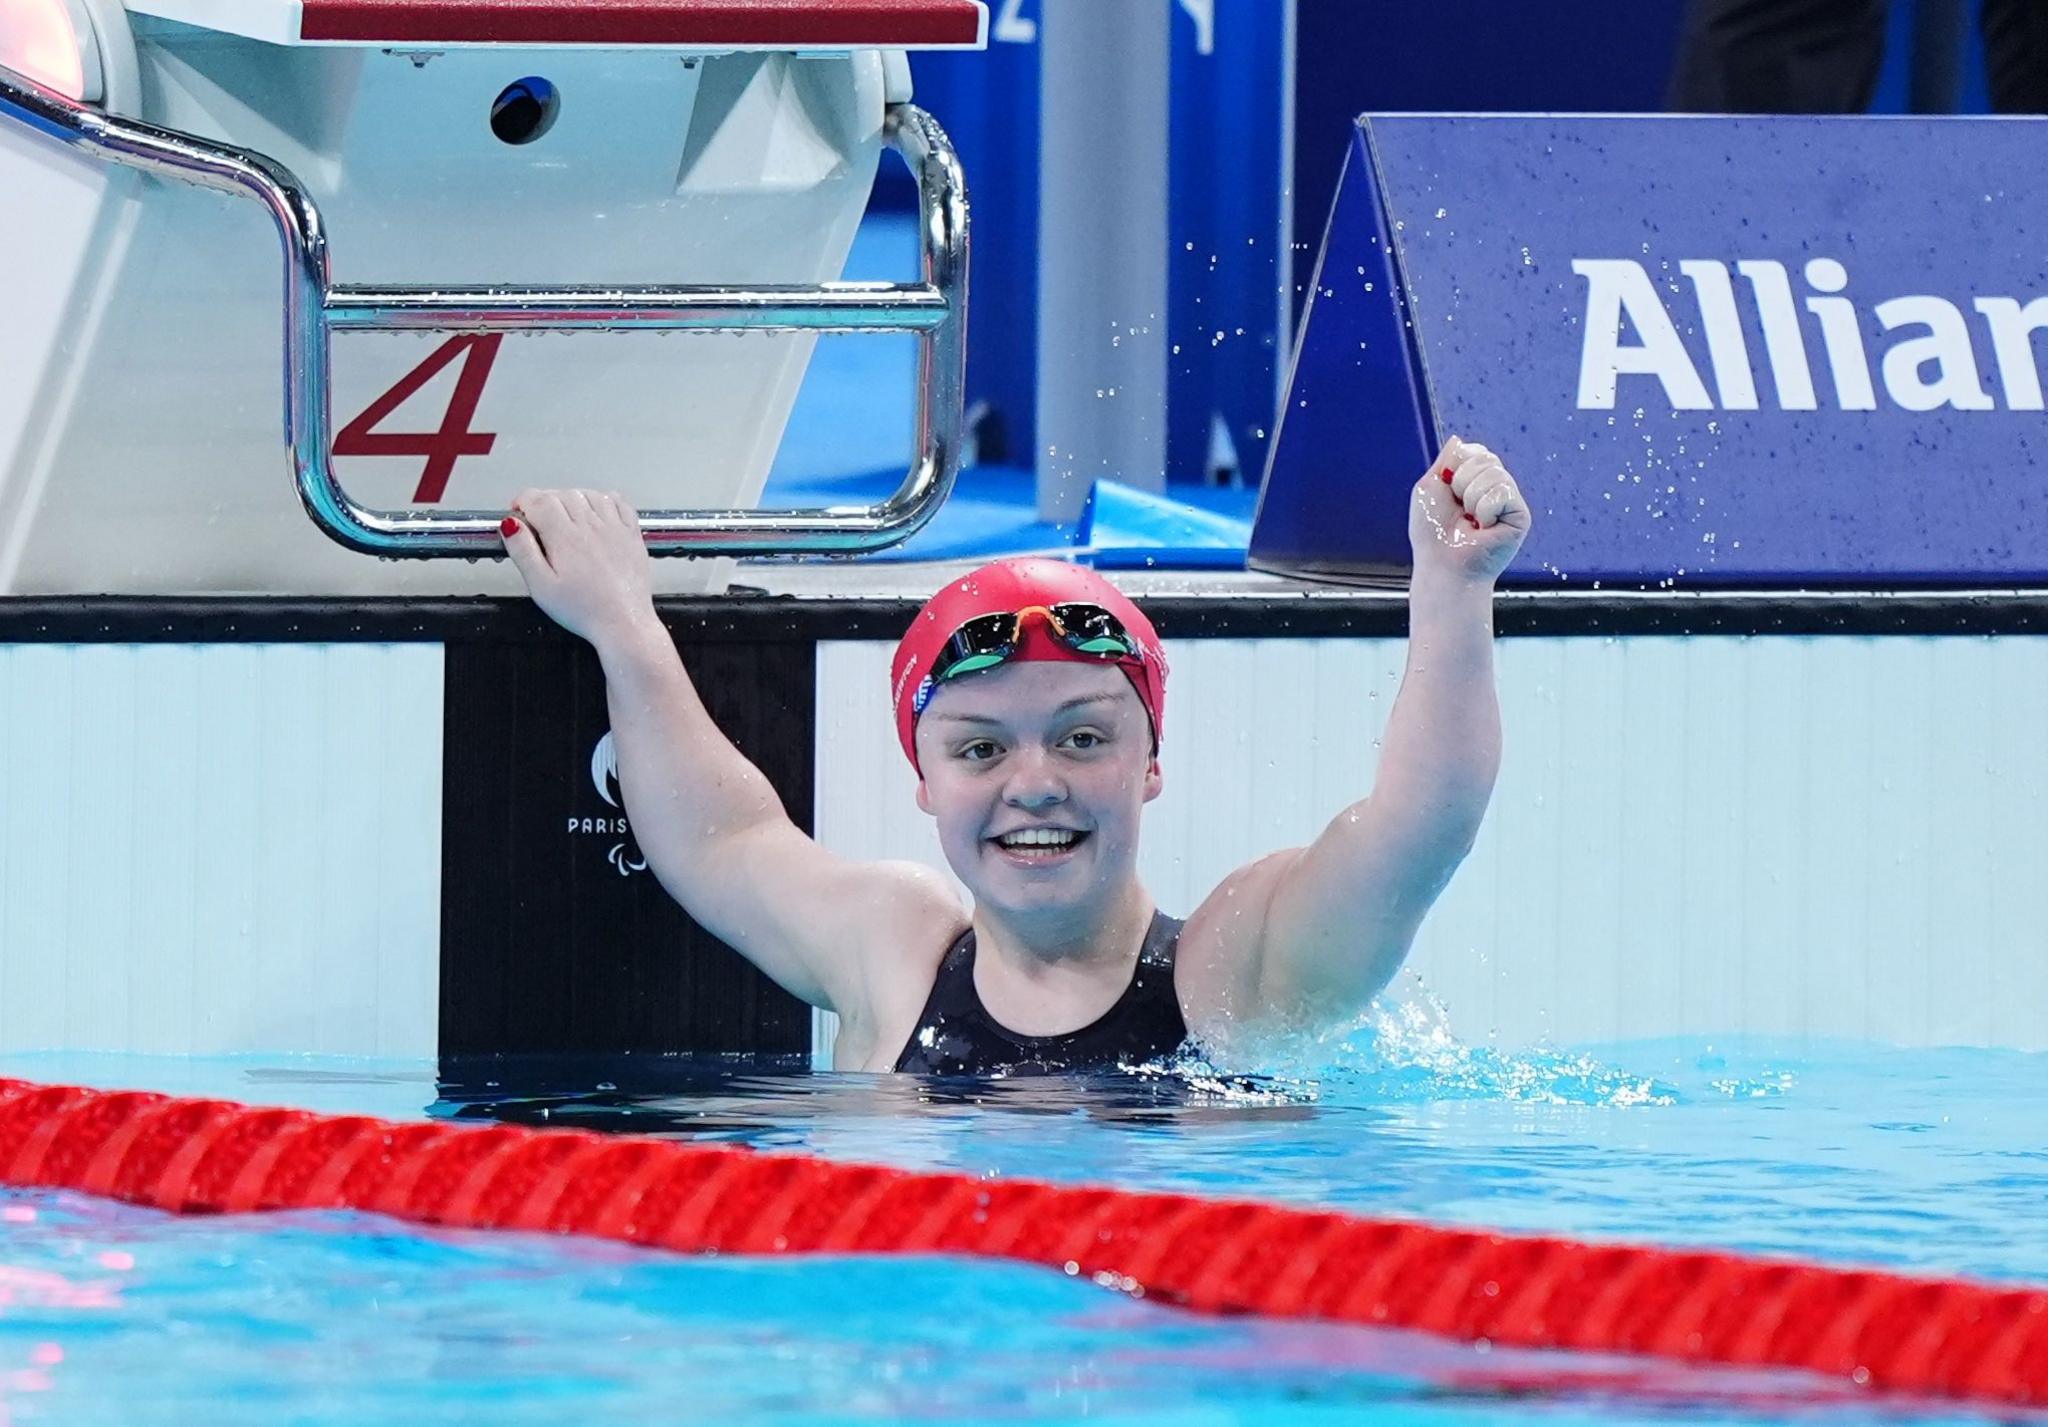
(1930, 1161)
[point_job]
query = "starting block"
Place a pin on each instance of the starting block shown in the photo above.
(471, 192)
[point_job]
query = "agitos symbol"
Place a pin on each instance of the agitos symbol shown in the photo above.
(454, 440)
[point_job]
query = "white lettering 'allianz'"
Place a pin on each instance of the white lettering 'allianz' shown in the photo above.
(1928, 362)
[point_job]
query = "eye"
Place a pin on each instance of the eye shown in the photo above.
(1085, 739)
(979, 751)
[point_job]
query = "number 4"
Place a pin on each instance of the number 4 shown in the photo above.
(454, 440)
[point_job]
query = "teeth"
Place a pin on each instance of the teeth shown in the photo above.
(1038, 837)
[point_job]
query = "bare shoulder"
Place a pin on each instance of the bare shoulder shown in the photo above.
(910, 897)
(1216, 970)
(910, 916)
(828, 928)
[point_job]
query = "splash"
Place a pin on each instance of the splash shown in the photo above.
(1402, 1050)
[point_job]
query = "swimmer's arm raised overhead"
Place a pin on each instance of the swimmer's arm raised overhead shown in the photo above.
(1338, 916)
(712, 828)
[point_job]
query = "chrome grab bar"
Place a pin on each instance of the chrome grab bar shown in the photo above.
(314, 308)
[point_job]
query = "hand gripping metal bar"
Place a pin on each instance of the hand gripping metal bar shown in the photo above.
(314, 308)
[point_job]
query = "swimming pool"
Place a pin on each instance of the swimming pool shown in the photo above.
(265, 821)
(1926, 1160)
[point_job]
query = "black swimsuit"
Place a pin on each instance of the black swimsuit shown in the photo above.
(956, 1035)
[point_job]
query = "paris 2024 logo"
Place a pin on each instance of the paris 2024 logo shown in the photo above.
(624, 855)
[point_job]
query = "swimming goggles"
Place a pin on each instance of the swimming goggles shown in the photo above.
(990, 639)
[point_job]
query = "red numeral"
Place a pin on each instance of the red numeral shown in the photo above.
(454, 440)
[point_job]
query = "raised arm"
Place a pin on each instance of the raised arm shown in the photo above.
(1340, 914)
(712, 828)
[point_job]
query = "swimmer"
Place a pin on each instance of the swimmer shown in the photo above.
(1030, 699)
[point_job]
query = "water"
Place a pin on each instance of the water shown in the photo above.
(1930, 1161)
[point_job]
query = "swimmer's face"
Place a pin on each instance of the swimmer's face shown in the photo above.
(1038, 744)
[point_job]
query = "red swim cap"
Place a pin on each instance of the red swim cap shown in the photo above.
(1004, 587)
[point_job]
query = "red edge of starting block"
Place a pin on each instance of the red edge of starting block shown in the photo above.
(708, 24)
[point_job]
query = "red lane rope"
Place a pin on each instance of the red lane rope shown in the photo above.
(1914, 1335)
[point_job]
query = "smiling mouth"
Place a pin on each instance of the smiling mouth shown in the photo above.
(1040, 844)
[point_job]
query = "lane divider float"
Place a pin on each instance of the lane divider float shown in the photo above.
(1891, 1332)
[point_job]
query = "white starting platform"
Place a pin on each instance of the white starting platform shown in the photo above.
(483, 198)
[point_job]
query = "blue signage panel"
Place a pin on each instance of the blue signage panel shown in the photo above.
(1354, 427)
(1716, 352)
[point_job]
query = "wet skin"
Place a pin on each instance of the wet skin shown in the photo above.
(1039, 744)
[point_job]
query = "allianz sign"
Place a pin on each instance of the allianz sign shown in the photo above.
(1925, 360)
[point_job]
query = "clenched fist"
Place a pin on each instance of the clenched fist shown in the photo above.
(1468, 517)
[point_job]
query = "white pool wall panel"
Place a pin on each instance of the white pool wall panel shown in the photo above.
(212, 849)
(1812, 837)
(236, 847)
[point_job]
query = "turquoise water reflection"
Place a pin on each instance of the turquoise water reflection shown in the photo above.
(1929, 1160)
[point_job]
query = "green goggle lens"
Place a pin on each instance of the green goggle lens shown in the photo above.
(973, 664)
(991, 639)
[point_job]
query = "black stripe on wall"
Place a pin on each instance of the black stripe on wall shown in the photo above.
(1323, 613)
(551, 941)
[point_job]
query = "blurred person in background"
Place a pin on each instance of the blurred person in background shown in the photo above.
(1823, 56)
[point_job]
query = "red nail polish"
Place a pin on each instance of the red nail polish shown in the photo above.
(508, 527)
(1447, 475)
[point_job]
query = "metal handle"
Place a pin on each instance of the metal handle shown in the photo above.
(314, 308)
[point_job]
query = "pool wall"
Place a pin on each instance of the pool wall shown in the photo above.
(1815, 836)
(386, 828)
(210, 848)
